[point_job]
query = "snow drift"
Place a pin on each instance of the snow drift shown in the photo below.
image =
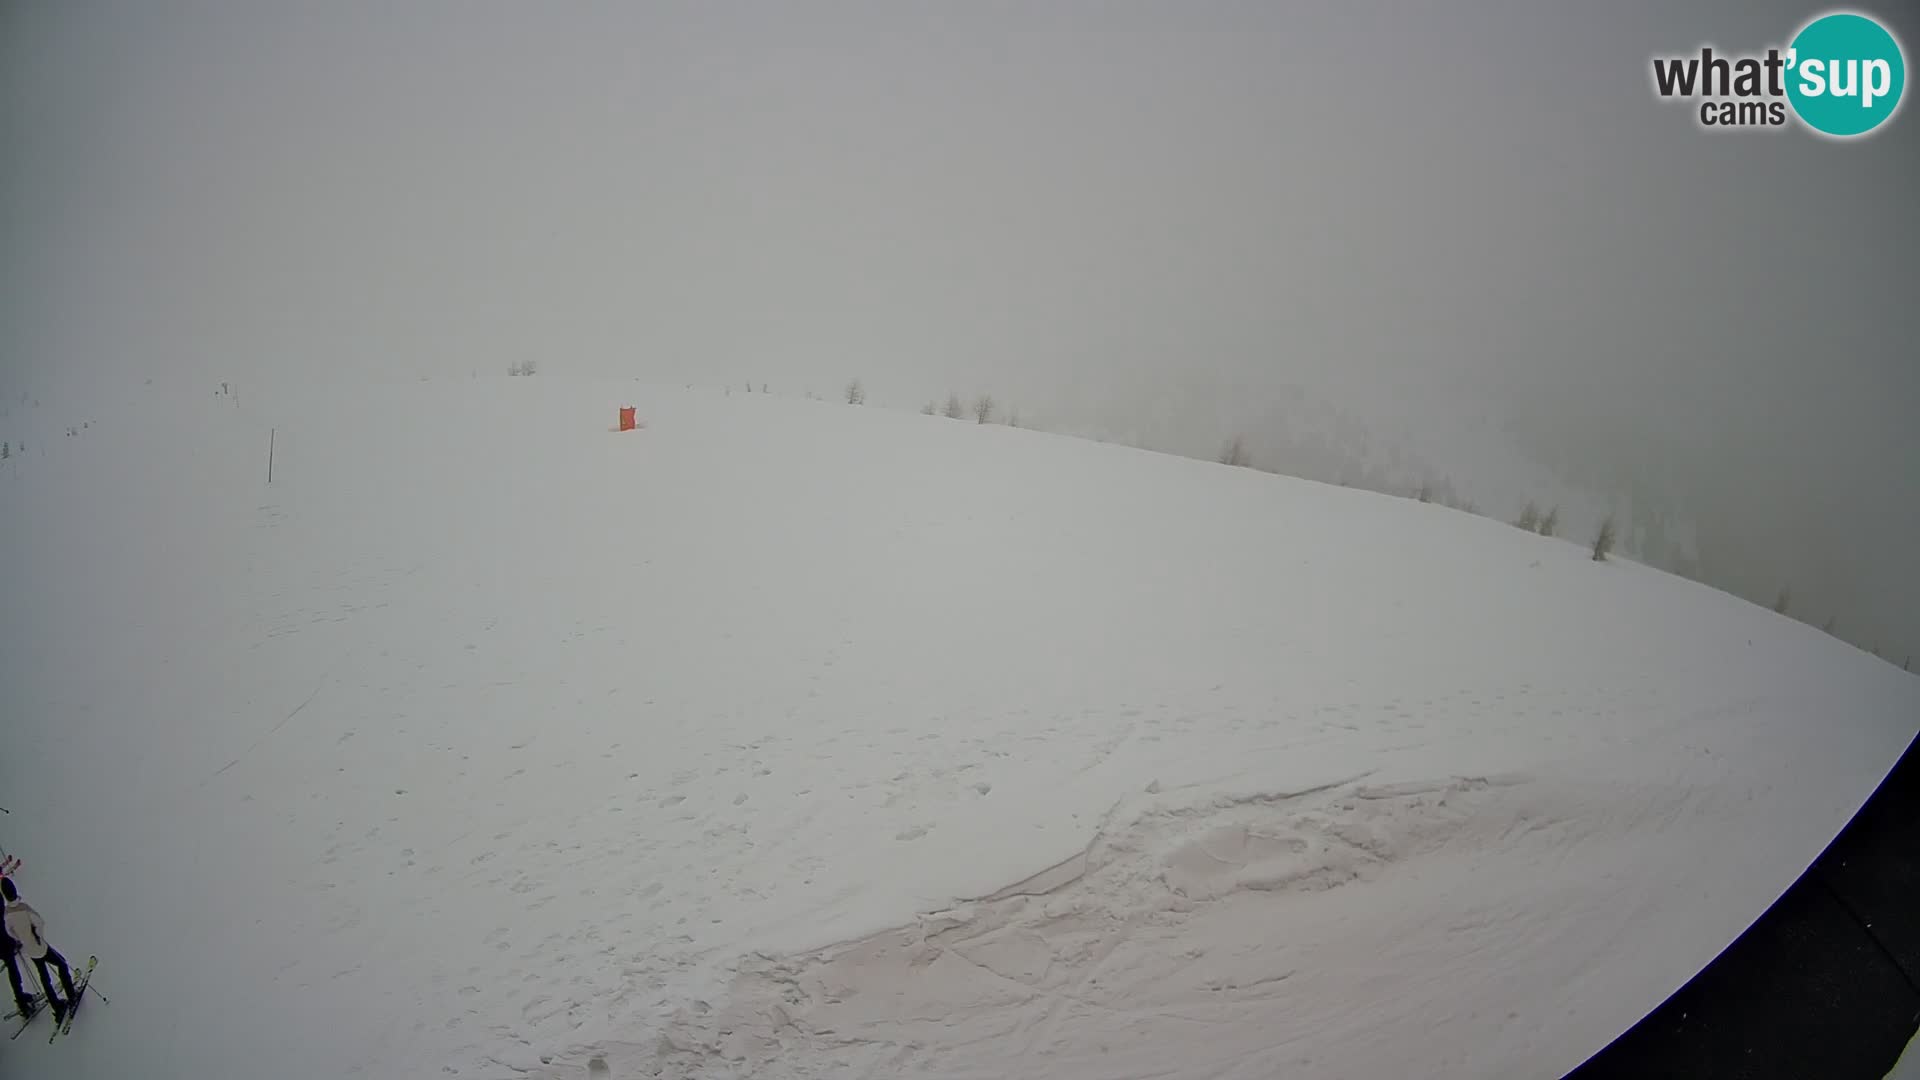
(788, 739)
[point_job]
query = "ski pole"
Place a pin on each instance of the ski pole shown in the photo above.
(96, 991)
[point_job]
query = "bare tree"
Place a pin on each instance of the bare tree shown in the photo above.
(1603, 540)
(1425, 492)
(1550, 525)
(983, 408)
(1780, 605)
(1529, 517)
(929, 409)
(1234, 453)
(1828, 627)
(955, 410)
(856, 394)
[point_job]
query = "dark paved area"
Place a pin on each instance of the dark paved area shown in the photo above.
(1825, 985)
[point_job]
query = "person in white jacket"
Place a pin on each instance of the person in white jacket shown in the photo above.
(22, 1001)
(25, 927)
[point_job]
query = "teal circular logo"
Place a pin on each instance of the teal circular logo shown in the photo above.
(1845, 74)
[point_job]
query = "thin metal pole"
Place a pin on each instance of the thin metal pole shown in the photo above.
(272, 434)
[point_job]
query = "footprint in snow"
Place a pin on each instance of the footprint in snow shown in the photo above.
(914, 833)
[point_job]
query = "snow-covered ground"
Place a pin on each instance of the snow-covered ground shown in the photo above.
(1908, 1067)
(788, 739)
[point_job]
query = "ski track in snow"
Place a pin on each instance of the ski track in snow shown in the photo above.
(558, 753)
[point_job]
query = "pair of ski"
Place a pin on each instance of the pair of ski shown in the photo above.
(39, 1002)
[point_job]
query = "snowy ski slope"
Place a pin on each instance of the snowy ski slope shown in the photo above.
(786, 739)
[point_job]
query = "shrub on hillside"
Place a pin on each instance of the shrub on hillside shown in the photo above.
(1603, 540)
(955, 409)
(1550, 525)
(1234, 453)
(1529, 517)
(856, 394)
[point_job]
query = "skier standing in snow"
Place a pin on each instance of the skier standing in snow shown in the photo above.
(25, 927)
(21, 998)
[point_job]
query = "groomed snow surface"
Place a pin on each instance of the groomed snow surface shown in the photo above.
(784, 739)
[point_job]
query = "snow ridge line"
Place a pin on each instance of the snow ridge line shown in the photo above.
(1074, 866)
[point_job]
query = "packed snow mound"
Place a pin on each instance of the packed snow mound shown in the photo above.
(1354, 931)
(1138, 928)
(781, 738)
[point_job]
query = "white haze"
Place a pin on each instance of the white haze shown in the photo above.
(1463, 244)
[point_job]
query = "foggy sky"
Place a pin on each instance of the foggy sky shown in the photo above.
(1471, 227)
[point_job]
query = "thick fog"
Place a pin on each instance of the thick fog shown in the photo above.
(1385, 243)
